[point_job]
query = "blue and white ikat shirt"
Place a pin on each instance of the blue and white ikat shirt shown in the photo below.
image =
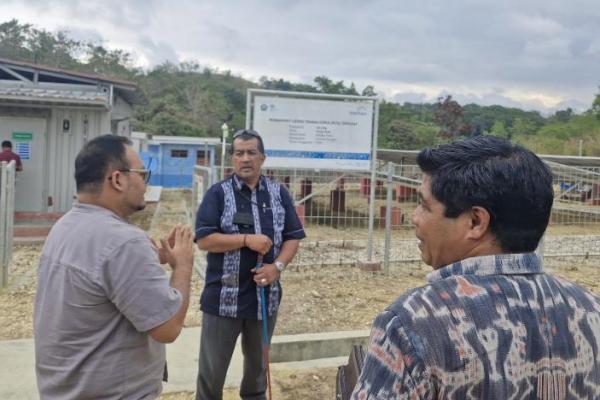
(492, 327)
(229, 289)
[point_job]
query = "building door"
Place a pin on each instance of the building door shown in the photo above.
(28, 137)
(177, 166)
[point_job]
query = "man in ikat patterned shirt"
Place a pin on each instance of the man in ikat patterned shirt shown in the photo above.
(490, 323)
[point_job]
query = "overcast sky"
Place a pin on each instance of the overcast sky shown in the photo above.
(533, 54)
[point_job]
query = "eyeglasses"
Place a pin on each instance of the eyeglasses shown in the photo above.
(248, 132)
(144, 173)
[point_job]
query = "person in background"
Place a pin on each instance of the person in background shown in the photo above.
(8, 155)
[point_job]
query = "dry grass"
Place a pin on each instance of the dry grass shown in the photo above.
(315, 299)
(288, 384)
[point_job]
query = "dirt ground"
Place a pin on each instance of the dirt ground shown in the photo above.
(288, 384)
(316, 299)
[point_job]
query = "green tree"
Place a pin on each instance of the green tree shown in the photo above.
(114, 63)
(563, 115)
(498, 129)
(207, 107)
(167, 124)
(522, 126)
(369, 90)
(449, 116)
(402, 136)
(596, 106)
(482, 118)
(54, 50)
(14, 39)
(282, 84)
(26, 43)
(326, 85)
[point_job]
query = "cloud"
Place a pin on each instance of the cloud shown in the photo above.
(574, 104)
(541, 48)
(85, 35)
(499, 97)
(156, 52)
(133, 13)
(410, 97)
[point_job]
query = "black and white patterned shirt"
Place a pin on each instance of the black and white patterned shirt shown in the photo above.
(229, 289)
(492, 327)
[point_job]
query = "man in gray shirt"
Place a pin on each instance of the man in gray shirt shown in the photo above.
(104, 306)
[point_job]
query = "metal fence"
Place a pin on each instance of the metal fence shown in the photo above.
(333, 206)
(577, 194)
(203, 178)
(7, 212)
(324, 199)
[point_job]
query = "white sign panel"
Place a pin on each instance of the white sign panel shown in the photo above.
(310, 133)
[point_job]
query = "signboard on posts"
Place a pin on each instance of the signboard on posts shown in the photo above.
(316, 132)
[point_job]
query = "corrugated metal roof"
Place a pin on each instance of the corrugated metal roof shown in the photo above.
(42, 94)
(184, 140)
(126, 89)
(67, 72)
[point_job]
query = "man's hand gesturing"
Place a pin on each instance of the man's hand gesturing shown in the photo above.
(178, 248)
(162, 254)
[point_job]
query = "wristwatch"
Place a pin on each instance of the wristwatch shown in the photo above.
(280, 266)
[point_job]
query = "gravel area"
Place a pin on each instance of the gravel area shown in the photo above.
(319, 293)
(322, 285)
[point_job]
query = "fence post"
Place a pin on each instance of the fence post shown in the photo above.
(193, 203)
(373, 188)
(3, 210)
(10, 217)
(7, 204)
(388, 219)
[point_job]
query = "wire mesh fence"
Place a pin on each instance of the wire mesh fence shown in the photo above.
(334, 208)
(576, 194)
(7, 212)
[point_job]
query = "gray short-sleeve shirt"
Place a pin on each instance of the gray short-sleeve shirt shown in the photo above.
(100, 289)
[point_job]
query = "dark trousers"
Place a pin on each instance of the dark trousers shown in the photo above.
(217, 342)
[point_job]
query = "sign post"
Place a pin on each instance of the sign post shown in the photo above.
(319, 132)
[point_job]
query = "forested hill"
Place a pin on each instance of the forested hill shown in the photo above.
(192, 100)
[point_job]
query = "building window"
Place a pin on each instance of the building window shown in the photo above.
(201, 157)
(179, 153)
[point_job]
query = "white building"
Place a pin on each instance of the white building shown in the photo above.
(48, 114)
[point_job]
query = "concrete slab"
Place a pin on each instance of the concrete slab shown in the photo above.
(152, 194)
(31, 230)
(310, 346)
(19, 381)
(29, 240)
(318, 363)
(17, 371)
(37, 216)
(182, 362)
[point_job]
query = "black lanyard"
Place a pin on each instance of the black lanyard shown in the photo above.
(264, 207)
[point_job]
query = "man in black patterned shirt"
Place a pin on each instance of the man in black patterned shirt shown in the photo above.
(490, 323)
